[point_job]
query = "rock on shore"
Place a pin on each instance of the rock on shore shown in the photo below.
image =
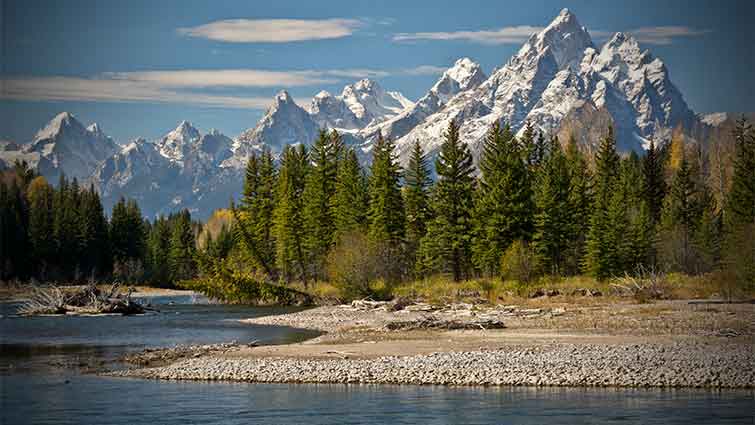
(678, 364)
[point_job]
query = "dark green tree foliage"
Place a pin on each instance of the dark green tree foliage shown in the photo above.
(580, 206)
(127, 231)
(602, 259)
(158, 253)
(319, 194)
(740, 222)
(13, 224)
(41, 236)
(66, 228)
(741, 199)
(553, 219)
(182, 248)
(289, 215)
(417, 197)
(351, 198)
(447, 245)
(504, 209)
(681, 214)
(386, 208)
(94, 249)
(220, 247)
(653, 182)
(257, 205)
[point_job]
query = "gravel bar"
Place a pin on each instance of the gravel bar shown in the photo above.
(677, 364)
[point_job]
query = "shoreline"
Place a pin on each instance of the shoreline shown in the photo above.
(540, 349)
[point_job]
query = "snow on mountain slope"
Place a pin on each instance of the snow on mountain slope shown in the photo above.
(464, 75)
(359, 105)
(183, 169)
(512, 91)
(556, 71)
(284, 123)
(64, 145)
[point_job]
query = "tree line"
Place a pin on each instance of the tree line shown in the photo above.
(534, 208)
(62, 234)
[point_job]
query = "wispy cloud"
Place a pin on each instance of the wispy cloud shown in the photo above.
(660, 35)
(505, 35)
(273, 30)
(664, 35)
(115, 90)
(185, 86)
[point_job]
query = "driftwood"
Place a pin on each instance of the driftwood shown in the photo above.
(433, 322)
(84, 301)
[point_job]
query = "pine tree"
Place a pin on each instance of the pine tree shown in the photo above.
(386, 207)
(288, 223)
(447, 244)
(14, 262)
(740, 219)
(351, 196)
(503, 209)
(552, 218)
(182, 248)
(741, 200)
(679, 219)
(127, 232)
(93, 235)
(319, 193)
(158, 253)
(257, 205)
(580, 205)
(417, 197)
(41, 237)
(653, 183)
(602, 257)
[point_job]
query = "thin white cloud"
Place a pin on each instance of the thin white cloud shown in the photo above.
(113, 90)
(184, 86)
(664, 35)
(223, 78)
(273, 30)
(505, 35)
(659, 35)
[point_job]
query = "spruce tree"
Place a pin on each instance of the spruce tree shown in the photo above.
(580, 205)
(351, 196)
(319, 196)
(602, 256)
(288, 215)
(552, 218)
(158, 253)
(41, 237)
(417, 197)
(182, 248)
(740, 219)
(503, 210)
(653, 183)
(93, 235)
(386, 206)
(680, 217)
(447, 245)
(257, 205)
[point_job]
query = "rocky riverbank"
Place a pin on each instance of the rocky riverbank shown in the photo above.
(546, 346)
(623, 365)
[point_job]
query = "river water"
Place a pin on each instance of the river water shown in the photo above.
(44, 379)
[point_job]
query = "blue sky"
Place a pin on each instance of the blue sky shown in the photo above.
(140, 67)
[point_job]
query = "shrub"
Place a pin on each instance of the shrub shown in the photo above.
(519, 262)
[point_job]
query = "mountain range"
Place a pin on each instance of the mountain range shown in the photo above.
(559, 81)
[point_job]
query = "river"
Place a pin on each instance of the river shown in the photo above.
(45, 365)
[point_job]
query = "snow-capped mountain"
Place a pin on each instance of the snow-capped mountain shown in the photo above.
(183, 169)
(284, 123)
(64, 145)
(555, 72)
(359, 105)
(462, 76)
